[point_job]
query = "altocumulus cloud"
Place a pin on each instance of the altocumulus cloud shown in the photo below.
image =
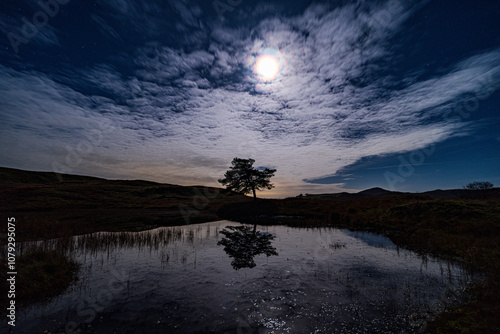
(179, 109)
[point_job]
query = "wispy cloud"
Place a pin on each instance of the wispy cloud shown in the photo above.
(181, 114)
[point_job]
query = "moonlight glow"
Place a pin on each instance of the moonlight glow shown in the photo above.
(267, 67)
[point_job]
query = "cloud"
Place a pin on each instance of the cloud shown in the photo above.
(20, 32)
(180, 114)
(105, 28)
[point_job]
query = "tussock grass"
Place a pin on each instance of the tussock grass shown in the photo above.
(41, 274)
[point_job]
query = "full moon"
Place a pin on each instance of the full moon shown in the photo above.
(267, 67)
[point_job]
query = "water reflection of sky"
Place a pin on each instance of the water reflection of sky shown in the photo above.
(372, 239)
(322, 280)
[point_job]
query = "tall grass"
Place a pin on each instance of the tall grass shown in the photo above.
(109, 241)
(41, 274)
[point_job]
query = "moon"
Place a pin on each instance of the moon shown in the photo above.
(267, 67)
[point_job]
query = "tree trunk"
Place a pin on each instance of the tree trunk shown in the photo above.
(254, 195)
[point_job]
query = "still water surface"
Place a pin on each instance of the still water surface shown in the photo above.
(186, 279)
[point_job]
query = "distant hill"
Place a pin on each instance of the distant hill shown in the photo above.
(377, 192)
(374, 192)
(450, 193)
(12, 175)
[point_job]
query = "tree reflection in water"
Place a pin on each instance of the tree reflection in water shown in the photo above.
(243, 243)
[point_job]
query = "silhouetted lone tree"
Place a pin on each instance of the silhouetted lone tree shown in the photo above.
(242, 177)
(479, 186)
(477, 189)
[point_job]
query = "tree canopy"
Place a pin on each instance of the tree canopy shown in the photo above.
(242, 177)
(477, 189)
(479, 185)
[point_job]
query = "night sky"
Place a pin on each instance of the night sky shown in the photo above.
(337, 96)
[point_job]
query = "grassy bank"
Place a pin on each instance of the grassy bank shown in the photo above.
(41, 274)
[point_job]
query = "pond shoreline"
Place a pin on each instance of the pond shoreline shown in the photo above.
(153, 241)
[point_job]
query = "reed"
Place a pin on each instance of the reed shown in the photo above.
(41, 274)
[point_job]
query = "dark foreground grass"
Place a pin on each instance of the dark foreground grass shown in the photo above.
(41, 275)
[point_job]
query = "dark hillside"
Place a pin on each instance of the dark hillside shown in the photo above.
(46, 207)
